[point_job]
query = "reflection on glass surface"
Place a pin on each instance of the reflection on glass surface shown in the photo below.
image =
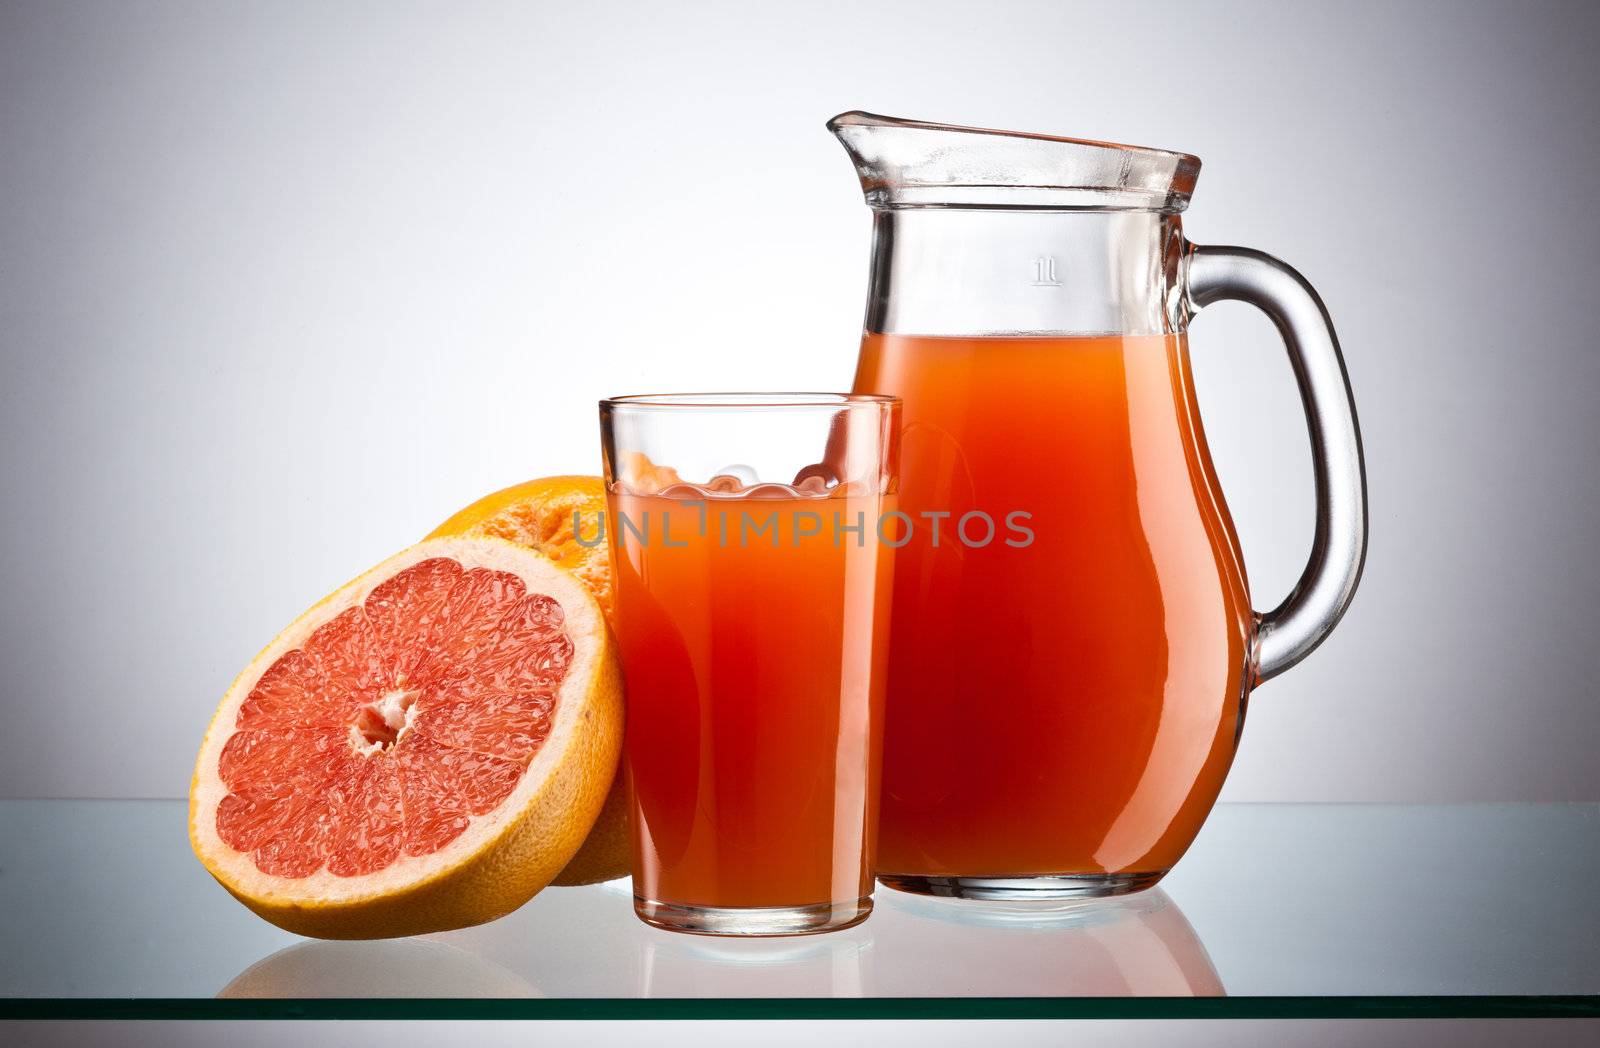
(831, 965)
(914, 946)
(1137, 945)
(388, 968)
(1291, 900)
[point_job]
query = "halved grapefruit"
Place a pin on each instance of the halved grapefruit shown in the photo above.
(424, 749)
(548, 514)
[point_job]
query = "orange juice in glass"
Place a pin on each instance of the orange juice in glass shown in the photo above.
(753, 565)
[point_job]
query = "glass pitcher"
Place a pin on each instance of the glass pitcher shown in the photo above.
(1072, 641)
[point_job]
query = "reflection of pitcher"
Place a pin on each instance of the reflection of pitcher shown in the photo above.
(1072, 640)
(1141, 946)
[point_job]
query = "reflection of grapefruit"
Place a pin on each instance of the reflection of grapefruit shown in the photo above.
(424, 749)
(549, 514)
(399, 968)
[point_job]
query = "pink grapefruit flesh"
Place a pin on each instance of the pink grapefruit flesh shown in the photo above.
(397, 721)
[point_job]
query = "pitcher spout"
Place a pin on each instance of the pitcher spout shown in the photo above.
(914, 163)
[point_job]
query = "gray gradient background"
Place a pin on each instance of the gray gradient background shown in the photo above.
(283, 285)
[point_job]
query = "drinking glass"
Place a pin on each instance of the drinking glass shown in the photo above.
(752, 537)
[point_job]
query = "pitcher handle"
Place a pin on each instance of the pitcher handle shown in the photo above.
(1289, 632)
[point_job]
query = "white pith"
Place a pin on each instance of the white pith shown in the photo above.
(583, 626)
(395, 712)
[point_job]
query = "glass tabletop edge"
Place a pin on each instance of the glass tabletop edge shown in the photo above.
(1274, 1007)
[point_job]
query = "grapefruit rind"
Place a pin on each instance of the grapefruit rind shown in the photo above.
(506, 855)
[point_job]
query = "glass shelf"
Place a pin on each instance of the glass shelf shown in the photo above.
(1278, 910)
